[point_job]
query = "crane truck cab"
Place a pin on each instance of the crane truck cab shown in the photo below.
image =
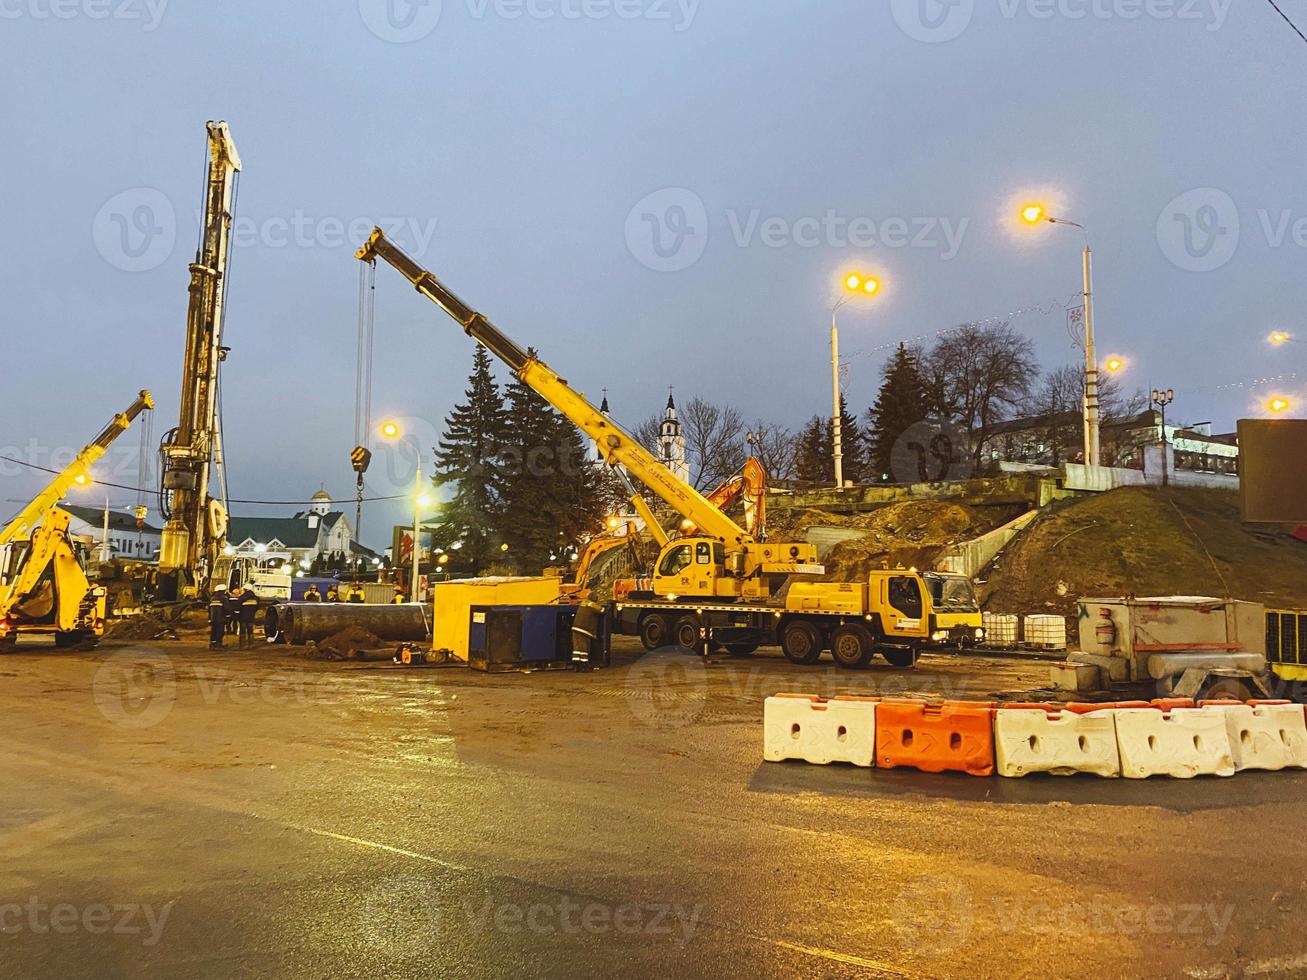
(958, 620)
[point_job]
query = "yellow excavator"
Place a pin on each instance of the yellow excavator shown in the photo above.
(722, 584)
(43, 583)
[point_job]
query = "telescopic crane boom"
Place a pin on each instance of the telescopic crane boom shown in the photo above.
(196, 523)
(615, 445)
(723, 560)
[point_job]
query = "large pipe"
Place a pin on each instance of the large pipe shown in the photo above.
(299, 622)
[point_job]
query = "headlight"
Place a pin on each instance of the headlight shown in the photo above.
(980, 634)
(939, 636)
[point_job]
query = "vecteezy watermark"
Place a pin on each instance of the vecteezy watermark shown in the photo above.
(1201, 230)
(97, 918)
(407, 21)
(938, 21)
(668, 230)
(120, 462)
(931, 451)
(149, 13)
(941, 914)
(1100, 916)
(135, 688)
(136, 230)
(568, 917)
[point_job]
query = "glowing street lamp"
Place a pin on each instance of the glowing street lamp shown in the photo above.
(1115, 365)
(1035, 213)
(391, 430)
(856, 285)
(1278, 406)
(1279, 338)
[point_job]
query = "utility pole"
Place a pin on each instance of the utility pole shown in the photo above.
(1092, 431)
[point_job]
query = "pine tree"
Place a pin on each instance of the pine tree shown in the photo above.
(902, 402)
(469, 455)
(812, 459)
(552, 493)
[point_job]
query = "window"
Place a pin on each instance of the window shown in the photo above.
(905, 595)
(703, 553)
(676, 560)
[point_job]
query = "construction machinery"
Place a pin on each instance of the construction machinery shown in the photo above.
(44, 588)
(196, 521)
(958, 619)
(721, 584)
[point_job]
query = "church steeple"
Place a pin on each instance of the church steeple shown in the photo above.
(671, 441)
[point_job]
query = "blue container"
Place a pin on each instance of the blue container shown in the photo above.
(511, 637)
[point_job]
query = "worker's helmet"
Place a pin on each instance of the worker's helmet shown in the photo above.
(220, 588)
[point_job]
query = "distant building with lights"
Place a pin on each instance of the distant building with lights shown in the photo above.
(313, 534)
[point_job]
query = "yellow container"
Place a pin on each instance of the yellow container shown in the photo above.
(849, 598)
(454, 602)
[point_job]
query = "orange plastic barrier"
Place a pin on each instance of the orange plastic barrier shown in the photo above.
(955, 737)
(1170, 704)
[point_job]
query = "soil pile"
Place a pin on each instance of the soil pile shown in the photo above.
(345, 645)
(143, 627)
(912, 534)
(1147, 541)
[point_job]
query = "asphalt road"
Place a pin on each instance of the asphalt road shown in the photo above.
(169, 811)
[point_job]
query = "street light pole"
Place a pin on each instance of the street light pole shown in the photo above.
(835, 393)
(1034, 214)
(855, 284)
(417, 527)
(1161, 399)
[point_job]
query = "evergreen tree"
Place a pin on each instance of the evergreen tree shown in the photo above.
(469, 456)
(902, 402)
(812, 458)
(552, 492)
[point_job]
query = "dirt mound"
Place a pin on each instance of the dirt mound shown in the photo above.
(143, 627)
(909, 534)
(1146, 541)
(345, 645)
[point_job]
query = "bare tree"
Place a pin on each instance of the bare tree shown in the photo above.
(714, 442)
(979, 376)
(1058, 403)
(775, 447)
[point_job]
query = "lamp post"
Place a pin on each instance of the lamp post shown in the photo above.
(1161, 399)
(393, 432)
(1034, 214)
(855, 285)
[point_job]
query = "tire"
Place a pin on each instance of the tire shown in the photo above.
(9, 644)
(686, 633)
(901, 658)
(1226, 689)
(801, 643)
(655, 631)
(742, 649)
(70, 639)
(850, 646)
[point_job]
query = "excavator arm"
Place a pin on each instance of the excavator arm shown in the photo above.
(617, 447)
(75, 472)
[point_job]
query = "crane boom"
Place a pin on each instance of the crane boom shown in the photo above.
(27, 518)
(617, 447)
(196, 524)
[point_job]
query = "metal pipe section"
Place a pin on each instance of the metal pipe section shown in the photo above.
(299, 622)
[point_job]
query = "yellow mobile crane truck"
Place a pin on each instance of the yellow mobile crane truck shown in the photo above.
(720, 584)
(43, 583)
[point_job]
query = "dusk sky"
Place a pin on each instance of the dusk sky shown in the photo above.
(651, 192)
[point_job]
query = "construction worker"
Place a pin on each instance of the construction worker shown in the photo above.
(399, 598)
(333, 593)
(355, 593)
(217, 617)
(313, 595)
(247, 614)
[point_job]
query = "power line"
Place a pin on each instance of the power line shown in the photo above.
(140, 490)
(1287, 20)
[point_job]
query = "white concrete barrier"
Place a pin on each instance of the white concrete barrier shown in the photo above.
(818, 731)
(1062, 743)
(1183, 743)
(1265, 736)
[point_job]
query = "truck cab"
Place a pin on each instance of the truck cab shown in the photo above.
(957, 612)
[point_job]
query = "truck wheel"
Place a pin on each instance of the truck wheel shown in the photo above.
(654, 631)
(686, 633)
(901, 657)
(801, 643)
(851, 647)
(1226, 689)
(9, 644)
(70, 639)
